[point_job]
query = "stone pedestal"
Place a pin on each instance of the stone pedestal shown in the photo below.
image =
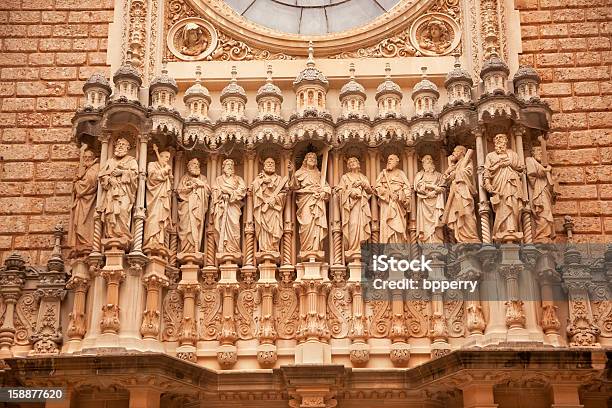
(267, 272)
(190, 266)
(311, 276)
(313, 352)
(355, 271)
(228, 273)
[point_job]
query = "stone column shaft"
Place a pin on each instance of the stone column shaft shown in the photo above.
(372, 159)
(210, 230)
(188, 335)
(358, 331)
(526, 213)
(565, 395)
(478, 395)
(483, 203)
(177, 173)
(97, 233)
(412, 166)
(7, 331)
(139, 212)
(151, 319)
(249, 223)
(110, 311)
(144, 397)
(76, 326)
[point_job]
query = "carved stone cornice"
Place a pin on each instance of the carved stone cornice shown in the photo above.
(527, 367)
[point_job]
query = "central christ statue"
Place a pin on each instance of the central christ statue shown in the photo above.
(312, 193)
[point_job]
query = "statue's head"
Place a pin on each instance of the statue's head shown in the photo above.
(191, 33)
(310, 160)
(353, 163)
(122, 146)
(392, 161)
(459, 152)
(436, 29)
(501, 143)
(194, 167)
(228, 167)
(88, 157)
(536, 152)
(428, 163)
(164, 157)
(269, 165)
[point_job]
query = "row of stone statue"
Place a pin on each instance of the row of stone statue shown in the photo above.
(118, 179)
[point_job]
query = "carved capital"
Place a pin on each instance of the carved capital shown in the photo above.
(78, 284)
(113, 276)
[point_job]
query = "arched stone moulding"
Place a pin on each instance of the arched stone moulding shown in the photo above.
(261, 37)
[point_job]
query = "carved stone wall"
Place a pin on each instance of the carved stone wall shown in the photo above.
(203, 308)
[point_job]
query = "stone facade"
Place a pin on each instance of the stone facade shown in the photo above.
(178, 240)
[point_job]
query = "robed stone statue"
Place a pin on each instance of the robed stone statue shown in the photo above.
(119, 181)
(459, 213)
(429, 188)
(158, 198)
(502, 179)
(393, 191)
(540, 189)
(269, 194)
(227, 200)
(312, 192)
(354, 192)
(192, 192)
(80, 236)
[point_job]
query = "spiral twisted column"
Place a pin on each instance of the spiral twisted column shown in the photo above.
(483, 203)
(249, 230)
(96, 252)
(372, 167)
(287, 239)
(526, 221)
(210, 229)
(336, 230)
(411, 166)
(140, 212)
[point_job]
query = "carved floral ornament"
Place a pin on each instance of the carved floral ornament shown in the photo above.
(211, 30)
